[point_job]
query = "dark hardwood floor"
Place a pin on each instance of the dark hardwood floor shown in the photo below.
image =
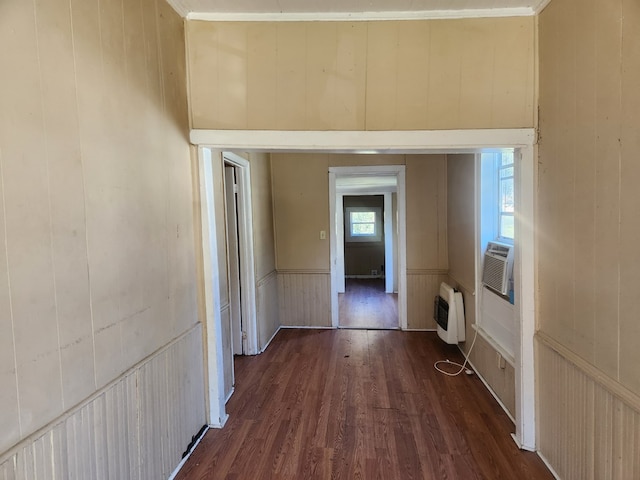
(364, 304)
(359, 404)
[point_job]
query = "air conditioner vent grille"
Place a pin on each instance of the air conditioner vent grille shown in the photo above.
(494, 272)
(498, 261)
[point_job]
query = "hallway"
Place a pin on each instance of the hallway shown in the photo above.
(366, 305)
(359, 404)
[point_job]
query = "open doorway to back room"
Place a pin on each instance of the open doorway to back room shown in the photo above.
(365, 302)
(366, 247)
(401, 142)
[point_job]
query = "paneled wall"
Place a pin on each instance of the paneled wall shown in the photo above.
(268, 308)
(304, 298)
(264, 248)
(461, 239)
(589, 221)
(591, 428)
(387, 75)
(96, 230)
(301, 211)
(422, 287)
(135, 428)
(426, 192)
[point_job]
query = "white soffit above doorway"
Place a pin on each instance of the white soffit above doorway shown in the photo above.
(351, 10)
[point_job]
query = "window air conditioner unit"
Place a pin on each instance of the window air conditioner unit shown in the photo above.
(498, 264)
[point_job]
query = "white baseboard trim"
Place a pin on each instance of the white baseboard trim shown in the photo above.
(186, 457)
(419, 330)
(270, 340)
(307, 327)
(233, 389)
(223, 422)
(365, 276)
(546, 462)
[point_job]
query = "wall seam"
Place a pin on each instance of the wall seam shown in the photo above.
(13, 328)
(50, 216)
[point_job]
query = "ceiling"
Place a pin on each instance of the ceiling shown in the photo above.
(352, 9)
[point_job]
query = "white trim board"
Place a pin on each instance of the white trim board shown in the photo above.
(432, 141)
(354, 16)
(488, 387)
(264, 349)
(174, 474)
(214, 364)
(405, 141)
(307, 327)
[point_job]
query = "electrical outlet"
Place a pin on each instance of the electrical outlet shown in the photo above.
(502, 363)
(323, 235)
(374, 272)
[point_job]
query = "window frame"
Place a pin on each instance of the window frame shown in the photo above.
(500, 167)
(379, 225)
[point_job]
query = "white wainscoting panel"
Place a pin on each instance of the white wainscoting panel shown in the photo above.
(586, 430)
(304, 299)
(267, 308)
(422, 287)
(135, 428)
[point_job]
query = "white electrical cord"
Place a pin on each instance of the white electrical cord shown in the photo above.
(463, 367)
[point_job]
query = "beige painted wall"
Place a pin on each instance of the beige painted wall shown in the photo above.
(97, 249)
(461, 191)
(301, 210)
(426, 192)
(588, 207)
(391, 75)
(461, 240)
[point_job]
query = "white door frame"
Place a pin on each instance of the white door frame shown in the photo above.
(337, 232)
(245, 238)
(429, 141)
(214, 361)
(389, 266)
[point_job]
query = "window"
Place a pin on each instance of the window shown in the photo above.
(506, 196)
(363, 224)
(497, 197)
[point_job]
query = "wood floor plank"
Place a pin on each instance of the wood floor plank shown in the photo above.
(364, 304)
(359, 404)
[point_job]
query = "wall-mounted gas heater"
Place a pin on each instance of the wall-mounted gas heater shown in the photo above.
(448, 312)
(497, 266)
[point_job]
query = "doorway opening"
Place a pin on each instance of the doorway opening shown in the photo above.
(368, 299)
(367, 211)
(215, 169)
(444, 141)
(236, 328)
